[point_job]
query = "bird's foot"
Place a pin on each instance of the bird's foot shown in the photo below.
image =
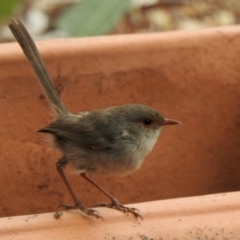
(90, 212)
(115, 204)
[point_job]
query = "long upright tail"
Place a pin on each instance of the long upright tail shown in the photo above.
(30, 50)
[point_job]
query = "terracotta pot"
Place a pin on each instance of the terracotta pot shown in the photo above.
(204, 217)
(189, 76)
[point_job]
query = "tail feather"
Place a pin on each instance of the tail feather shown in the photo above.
(30, 50)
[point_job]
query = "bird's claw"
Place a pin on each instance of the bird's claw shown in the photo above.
(90, 212)
(120, 207)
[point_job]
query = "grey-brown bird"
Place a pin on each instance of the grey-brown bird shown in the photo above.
(112, 141)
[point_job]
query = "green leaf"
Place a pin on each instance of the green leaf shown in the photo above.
(93, 17)
(7, 7)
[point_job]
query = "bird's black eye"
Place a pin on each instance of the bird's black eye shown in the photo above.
(147, 121)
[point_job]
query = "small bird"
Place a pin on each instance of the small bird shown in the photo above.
(112, 141)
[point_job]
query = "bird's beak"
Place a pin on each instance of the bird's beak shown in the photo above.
(170, 122)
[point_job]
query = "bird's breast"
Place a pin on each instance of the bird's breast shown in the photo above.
(143, 147)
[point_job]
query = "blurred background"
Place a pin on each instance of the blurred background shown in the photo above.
(74, 18)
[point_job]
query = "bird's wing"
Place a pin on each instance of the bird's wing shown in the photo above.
(97, 135)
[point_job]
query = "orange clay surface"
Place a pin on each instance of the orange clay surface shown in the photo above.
(193, 77)
(205, 217)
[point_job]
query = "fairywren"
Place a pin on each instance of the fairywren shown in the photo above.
(112, 141)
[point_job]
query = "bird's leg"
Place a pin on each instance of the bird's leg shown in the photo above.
(90, 212)
(115, 204)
